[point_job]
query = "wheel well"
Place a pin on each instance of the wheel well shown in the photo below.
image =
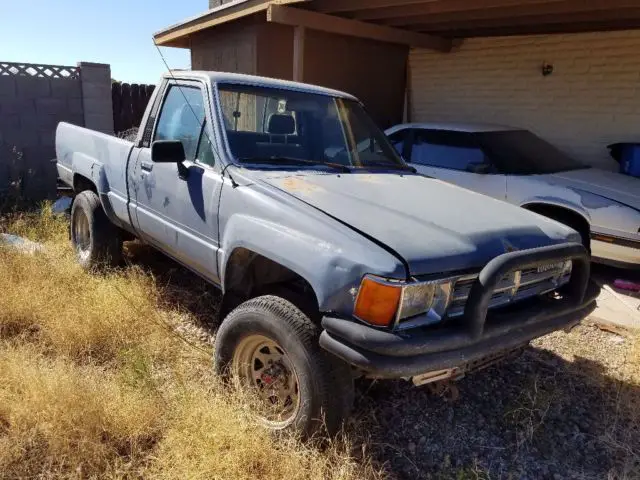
(81, 183)
(565, 216)
(249, 274)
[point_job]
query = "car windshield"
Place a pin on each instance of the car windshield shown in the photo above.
(521, 152)
(285, 128)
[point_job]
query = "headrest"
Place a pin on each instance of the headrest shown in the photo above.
(281, 124)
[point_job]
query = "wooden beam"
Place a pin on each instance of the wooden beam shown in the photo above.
(343, 26)
(298, 53)
(334, 6)
(548, 29)
(443, 6)
(565, 7)
(177, 35)
(531, 20)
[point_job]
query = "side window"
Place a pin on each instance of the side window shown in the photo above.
(397, 140)
(205, 150)
(454, 150)
(181, 118)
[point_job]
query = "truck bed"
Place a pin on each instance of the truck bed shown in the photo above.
(98, 157)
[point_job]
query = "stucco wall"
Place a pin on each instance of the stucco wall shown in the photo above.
(591, 100)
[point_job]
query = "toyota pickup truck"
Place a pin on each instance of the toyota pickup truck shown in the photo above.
(335, 259)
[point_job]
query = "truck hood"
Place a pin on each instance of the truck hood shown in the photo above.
(613, 186)
(433, 226)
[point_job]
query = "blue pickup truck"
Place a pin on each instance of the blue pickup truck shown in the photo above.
(335, 258)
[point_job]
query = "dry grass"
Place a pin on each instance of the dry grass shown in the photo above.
(94, 382)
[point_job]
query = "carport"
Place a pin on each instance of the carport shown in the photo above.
(567, 69)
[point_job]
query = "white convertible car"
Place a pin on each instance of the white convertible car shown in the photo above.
(517, 166)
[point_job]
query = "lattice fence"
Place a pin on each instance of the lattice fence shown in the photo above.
(37, 70)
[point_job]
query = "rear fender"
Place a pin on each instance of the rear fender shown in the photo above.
(96, 178)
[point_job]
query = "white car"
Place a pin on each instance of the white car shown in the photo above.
(517, 166)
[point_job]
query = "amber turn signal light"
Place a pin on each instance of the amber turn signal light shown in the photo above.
(377, 301)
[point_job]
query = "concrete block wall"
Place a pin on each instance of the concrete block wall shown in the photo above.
(31, 106)
(592, 98)
(96, 96)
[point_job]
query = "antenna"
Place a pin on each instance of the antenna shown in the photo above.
(201, 123)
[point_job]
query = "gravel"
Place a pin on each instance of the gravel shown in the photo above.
(554, 412)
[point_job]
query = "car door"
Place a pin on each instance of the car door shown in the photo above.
(176, 204)
(454, 157)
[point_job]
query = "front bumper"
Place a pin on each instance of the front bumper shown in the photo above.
(617, 252)
(480, 333)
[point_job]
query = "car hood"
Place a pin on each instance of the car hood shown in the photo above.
(433, 226)
(613, 186)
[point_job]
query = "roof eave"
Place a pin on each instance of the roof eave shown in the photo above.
(178, 35)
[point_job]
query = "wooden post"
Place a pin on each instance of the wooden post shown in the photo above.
(298, 53)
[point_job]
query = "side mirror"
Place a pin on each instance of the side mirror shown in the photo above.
(167, 151)
(479, 168)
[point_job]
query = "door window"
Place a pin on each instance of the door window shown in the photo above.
(444, 149)
(205, 150)
(181, 118)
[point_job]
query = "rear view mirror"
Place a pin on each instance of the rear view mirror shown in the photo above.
(167, 151)
(480, 168)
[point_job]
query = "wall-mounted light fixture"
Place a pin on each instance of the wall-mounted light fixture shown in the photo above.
(547, 69)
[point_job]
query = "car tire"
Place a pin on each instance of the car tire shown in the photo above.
(324, 384)
(96, 241)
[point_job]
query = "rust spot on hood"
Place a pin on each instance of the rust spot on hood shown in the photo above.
(297, 184)
(369, 179)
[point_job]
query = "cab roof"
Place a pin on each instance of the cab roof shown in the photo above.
(241, 79)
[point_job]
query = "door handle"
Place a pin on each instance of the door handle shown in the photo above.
(147, 166)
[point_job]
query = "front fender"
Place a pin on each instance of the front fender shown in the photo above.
(331, 257)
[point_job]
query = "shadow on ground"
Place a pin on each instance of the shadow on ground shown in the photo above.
(536, 416)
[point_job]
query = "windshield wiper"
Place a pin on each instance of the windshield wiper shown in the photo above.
(390, 166)
(284, 160)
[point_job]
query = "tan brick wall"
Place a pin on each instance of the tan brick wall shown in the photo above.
(591, 100)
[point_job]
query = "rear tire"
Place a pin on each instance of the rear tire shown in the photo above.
(97, 242)
(285, 339)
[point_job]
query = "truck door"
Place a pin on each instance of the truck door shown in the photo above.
(176, 205)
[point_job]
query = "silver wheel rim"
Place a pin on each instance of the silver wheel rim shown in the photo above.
(260, 363)
(81, 234)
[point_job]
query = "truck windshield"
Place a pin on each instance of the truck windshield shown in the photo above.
(287, 127)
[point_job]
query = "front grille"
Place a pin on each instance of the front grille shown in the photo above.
(513, 287)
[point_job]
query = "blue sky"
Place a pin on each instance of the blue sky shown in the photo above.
(118, 32)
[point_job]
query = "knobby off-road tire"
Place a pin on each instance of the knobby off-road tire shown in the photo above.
(276, 327)
(97, 242)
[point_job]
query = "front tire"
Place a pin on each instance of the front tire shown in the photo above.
(96, 241)
(269, 345)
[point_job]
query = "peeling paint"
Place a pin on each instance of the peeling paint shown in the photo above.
(369, 179)
(297, 184)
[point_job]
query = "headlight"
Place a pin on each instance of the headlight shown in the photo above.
(382, 302)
